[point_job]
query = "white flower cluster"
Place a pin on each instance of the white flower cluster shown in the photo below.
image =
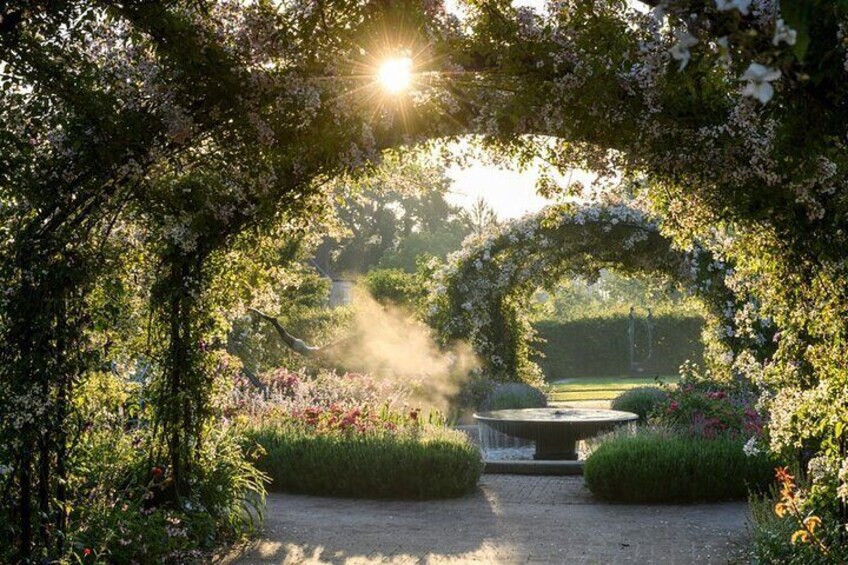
(842, 489)
(751, 448)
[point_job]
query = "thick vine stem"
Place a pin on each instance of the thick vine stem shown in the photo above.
(295, 344)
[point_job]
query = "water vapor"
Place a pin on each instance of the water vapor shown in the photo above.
(387, 342)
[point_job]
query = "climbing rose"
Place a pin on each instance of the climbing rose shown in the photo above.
(759, 79)
(726, 5)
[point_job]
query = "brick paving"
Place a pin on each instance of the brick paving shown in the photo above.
(510, 519)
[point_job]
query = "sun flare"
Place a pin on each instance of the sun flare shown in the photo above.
(395, 75)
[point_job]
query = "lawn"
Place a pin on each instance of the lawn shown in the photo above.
(602, 388)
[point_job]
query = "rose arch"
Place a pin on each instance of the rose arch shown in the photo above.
(482, 294)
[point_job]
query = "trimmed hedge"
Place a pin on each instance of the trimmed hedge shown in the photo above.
(654, 466)
(436, 463)
(514, 395)
(640, 400)
(598, 347)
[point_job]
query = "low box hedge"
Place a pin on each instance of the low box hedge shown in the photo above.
(660, 466)
(427, 463)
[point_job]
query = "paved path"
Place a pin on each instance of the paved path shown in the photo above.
(511, 519)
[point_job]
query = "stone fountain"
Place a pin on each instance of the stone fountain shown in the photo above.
(555, 431)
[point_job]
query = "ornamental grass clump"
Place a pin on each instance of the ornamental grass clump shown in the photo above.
(658, 465)
(364, 453)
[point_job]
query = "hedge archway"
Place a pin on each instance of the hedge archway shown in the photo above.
(482, 294)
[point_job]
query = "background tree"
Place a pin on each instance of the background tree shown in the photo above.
(389, 216)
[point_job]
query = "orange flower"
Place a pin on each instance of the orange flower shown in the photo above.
(802, 536)
(783, 476)
(781, 509)
(812, 523)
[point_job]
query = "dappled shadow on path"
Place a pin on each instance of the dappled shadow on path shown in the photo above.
(304, 529)
(510, 519)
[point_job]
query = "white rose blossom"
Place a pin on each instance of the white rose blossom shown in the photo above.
(750, 448)
(727, 5)
(784, 33)
(680, 51)
(759, 79)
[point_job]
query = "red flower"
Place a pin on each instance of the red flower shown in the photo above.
(783, 476)
(157, 471)
(86, 552)
(673, 406)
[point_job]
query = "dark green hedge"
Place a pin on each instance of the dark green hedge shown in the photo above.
(663, 467)
(598, 347)
(389, 466)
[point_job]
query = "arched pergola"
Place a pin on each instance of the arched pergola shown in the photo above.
(482, 293)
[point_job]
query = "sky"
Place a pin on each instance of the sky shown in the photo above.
(510, 194)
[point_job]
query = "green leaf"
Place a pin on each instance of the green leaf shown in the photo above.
(796, 14)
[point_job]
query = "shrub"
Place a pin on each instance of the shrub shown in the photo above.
(120, 505)
(473, 393)
(418, 463)
(665, 466)
(393, 286)
(790, 527)
(514, 395)
(640, 400)
(288, 392)
(771, 535)
(707, 410)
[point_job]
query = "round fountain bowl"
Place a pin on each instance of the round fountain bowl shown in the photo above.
(555, 431)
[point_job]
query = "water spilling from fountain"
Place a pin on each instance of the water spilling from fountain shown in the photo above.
(543, 434)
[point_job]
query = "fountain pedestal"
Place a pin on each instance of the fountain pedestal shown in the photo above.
(555, 451)
(555, 431)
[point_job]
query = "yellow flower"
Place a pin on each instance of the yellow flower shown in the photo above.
(781, 509)
(801, 535)
(812, 523)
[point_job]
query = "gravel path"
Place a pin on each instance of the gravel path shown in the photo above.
(510, 519)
